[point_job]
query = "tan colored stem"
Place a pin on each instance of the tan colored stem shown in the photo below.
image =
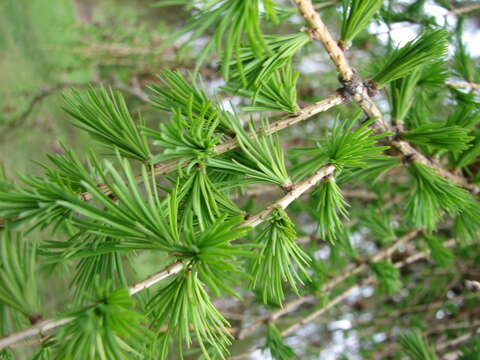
(361, 96)
(463, 84)
(320, 32)
(50, 324)
(296, 191)
(369, 326)
(325, 4)
(466, 9)
(293, 194)
(170, 270)
(457, 341)
(336, 300)
(37, 329)
(409, 152)
(303, 114)
(269, 189)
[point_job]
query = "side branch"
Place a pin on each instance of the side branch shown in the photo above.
(173, 269)
(370, 280)
(296, 191)
(343, 295)
(46, 325)
(293, 305)
(463, 84)
(37, 329)
(303, 114)
(466, 9)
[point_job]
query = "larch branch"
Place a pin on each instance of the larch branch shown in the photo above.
(463, 84)
(293, 305)
(296, 191)
(466, 9)
(303, 114)
(343, 295)
(361, 94)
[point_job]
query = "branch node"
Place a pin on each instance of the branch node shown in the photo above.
(344, 46)
(351, 88)
(397, 132)
(371, 87)
(35, 318)
(310, 32)
(409, 158)
(288, 187)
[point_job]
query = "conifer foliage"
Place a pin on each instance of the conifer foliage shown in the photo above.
(378, 196)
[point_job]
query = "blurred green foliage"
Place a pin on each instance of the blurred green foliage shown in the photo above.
(47, 47)
(35, 42)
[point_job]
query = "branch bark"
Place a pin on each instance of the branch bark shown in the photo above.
(296, 191)
(321, 33)
(463, 84)
(459, 340)
(344, 295)
(466, 9)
